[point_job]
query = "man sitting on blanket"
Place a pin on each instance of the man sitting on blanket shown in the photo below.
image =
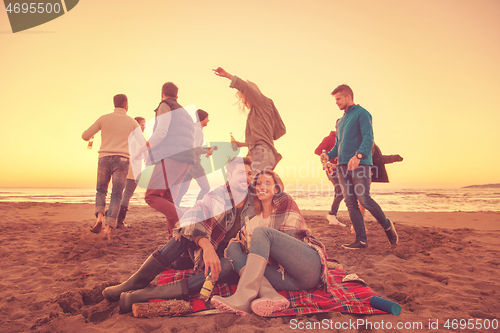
(205, 231)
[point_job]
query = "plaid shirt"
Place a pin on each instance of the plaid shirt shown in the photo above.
(212, 217)
(288, 219)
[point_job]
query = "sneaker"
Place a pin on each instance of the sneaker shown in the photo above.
(392, 234)
(355, 246)
(332, 220)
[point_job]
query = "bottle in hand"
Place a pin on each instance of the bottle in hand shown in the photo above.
(233, 142)
(91, 142)
(206, 290)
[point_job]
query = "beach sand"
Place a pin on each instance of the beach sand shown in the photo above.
(446, 266)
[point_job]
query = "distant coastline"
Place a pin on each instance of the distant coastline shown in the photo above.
(483, 186)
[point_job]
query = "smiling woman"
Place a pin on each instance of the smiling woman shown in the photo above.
(279, 237)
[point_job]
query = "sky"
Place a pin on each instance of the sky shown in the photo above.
(427, 71)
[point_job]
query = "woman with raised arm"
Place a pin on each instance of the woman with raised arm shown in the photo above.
(282, 253)
(264, 124)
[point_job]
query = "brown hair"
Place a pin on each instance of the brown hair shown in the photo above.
(344, 89)
(120, 101)
(278, 183)
(139, 119)
(230, 166)
(169, 89)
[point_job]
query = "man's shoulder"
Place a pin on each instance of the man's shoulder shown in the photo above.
(358, 108)
(220, 192)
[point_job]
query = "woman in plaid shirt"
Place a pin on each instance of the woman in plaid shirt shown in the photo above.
(280, 248)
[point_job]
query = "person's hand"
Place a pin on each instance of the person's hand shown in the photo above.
(240, 144)
(399, 158)
(242, 236)
(212, 261)
(210, 258)
(324, 158)
(219, 71)
(353, 163)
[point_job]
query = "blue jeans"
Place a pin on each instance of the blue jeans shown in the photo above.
(262, 158)
(356, 186)
(114, 168)
(338, 193)
(301, 262)
(174, 249)
(130, 187)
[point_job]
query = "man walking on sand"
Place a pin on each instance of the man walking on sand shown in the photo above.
(171, 151)
(113, 160)
(353, 147)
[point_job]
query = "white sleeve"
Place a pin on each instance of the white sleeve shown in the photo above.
(162, 125)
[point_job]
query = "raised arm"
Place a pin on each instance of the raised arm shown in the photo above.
(219, 71)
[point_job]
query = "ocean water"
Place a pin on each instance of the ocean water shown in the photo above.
(408, 200)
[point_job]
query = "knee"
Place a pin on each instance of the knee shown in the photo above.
(261, 232)
(148, 198)
(226, 267)
(234, 250)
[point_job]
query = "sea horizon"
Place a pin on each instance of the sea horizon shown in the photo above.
(394, 199)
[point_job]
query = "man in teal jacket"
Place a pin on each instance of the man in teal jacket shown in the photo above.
(353, 147)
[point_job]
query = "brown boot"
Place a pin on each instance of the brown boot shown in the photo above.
(153, 266)
(268, 300)
(247, 290)
(174, 290)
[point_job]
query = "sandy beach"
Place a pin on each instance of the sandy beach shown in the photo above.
(446, 267)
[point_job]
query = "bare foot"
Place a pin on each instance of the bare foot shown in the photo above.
(98, 225)
(107, 232)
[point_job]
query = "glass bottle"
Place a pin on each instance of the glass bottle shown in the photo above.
(206, 290)
(325, 163)
(91, 142)
(233, 142)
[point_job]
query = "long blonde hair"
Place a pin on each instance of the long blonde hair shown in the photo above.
(244, 102)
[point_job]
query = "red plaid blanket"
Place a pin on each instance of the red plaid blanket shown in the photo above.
(347, 297)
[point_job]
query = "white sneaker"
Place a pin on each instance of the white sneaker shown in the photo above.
(332, 220)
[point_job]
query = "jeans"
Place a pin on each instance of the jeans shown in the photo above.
(301, 262)
(130, 187)
(198, 174)
(338, 193)
(164, 186)
(114, 168)
(174, 249)
(356, 186)
(262, 158)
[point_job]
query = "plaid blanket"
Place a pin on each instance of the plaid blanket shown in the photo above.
(347, 297)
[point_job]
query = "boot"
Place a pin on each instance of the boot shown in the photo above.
(391, 234)
(174, 290)
(121, 217)
(268, 300)
(153, 266)
(247, 290)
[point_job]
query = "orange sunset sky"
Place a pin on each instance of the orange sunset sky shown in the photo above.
(427, 71)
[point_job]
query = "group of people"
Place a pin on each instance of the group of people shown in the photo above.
(247, 226)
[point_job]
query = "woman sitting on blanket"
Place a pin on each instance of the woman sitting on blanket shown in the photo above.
(282, 253)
